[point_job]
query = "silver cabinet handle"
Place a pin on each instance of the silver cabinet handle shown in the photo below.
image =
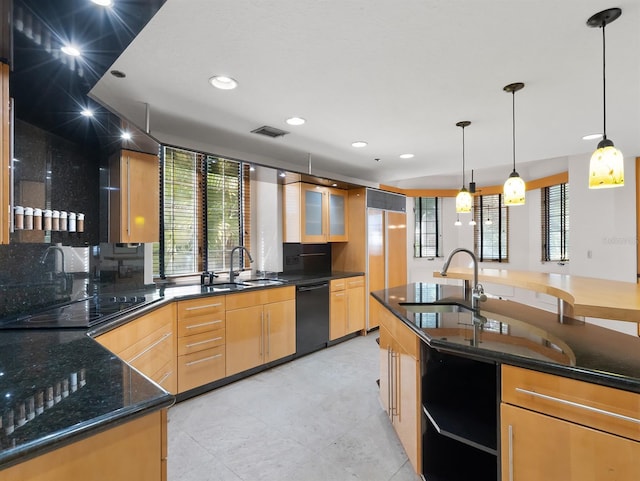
(165, 377)
(203, 324)
(510, 452)
(580, 406)
(195, 308)
(204, 342)
(348, 312)
(389, 382)
(128, 198)
(268, 332)
(204, 359)
(261, 333)
(396, 383)
(159, 341)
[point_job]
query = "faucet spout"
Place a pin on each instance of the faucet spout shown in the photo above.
(232, 274)
(45, 254)
(478, 294)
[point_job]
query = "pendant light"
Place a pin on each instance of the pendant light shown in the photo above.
(606, 168)
(514, 188)
(463, 199)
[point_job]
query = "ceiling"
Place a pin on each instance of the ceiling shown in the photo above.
(396, 74)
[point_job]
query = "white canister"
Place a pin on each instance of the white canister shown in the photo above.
(46, 219)
(28, 218)
(18, 220)
(55, 220)
(72, 222)
(37, 219)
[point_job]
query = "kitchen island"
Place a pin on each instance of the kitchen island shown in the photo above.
(517, 394)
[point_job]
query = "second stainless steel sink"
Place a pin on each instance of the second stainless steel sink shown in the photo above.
(263, 282)
(413, 307)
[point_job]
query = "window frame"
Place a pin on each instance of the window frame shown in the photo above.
(491, 205)
(555, 204)
(420, 245)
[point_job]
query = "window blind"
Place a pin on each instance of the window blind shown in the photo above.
(426, 237)
(491, 229)
(555, 223)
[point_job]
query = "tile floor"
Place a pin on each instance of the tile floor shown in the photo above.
(316, 418)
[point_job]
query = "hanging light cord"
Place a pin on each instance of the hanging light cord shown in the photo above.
(604, 88)
(513, 132)
(463, 157)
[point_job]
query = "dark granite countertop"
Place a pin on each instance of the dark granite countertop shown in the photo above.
(519, 335)
(58, 386)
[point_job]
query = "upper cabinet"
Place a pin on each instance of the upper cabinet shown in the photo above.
(314, 214)
(134, 197)
(5, 142)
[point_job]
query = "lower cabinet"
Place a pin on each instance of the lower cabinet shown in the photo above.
(400, 383)
(559, 428)
(135, 450)
(346, 306)
(201, 341)
(148, 343)
(260, 328)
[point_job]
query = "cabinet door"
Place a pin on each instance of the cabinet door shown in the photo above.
(337, 314)
(337, 209)
(280, 330)
(407, 404)
(536, 446)
(200, 368)
(385, 369)
(355, 309)
(314, 213)
(245, 342)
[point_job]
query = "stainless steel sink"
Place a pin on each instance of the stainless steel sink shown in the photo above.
(263, 282)
(225, 286)
(439, 308)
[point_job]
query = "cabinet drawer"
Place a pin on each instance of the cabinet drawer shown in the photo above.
(200, 325)
(600, 407)
(355, 282)
(152, 352)
(200, 368)
(167, 377)
(404, 336)
(201, 308)
(200, 342)
(337, 285)
(259, 297)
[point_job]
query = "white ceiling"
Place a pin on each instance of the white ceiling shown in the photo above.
(398, 74)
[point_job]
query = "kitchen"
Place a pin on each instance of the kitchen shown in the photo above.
(602, 247)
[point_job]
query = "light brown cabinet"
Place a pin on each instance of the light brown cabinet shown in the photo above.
(134, 197)
(148, 344)
(314, 213)
(5, 155)
(400, 383)
(260, 328)
(135, 450)
(346, 306)
(201, 341)
(559, 428)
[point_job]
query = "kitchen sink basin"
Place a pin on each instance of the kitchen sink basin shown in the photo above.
(263, 282)
(438, 308)
(226, 286)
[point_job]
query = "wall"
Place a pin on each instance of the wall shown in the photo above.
(602, 238)
(266, 220)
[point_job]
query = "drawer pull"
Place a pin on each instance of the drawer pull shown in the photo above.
(159, 341)
(580, 406)
(204, 359)
(165, 377)
(338, 294)
(195, 308)
(204, 342)
(510, 452)
(203, 324)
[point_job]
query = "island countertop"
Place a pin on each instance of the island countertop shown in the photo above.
(519, 335)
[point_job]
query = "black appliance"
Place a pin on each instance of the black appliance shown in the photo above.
(312, 317)
(82, 313)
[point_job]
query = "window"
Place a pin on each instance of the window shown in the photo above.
(555, 223)
(204, 201)
(491, 232)
(426, 241)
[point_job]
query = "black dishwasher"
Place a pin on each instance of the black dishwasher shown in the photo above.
(312, 317)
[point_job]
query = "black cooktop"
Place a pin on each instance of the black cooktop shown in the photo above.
(82, 313)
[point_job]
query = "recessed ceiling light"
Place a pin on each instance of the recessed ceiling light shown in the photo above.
(295, 121)
(334, 185)
(103, 3)
(407, 156)
(70, 50)
(359, 144)
(87, 112)
(223, 83)
(592, 137)
(282, 174)
(126, 135)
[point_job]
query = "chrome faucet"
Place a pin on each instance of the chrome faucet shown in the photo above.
(478, 294)
(232, 274)
(45, 254)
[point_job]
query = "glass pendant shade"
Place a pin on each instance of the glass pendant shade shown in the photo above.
(514, 190)
(463, 201)
(606, 168)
